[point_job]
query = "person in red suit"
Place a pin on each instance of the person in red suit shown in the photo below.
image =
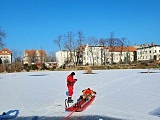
(70, 84)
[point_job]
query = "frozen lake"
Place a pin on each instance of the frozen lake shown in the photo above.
(131, 94)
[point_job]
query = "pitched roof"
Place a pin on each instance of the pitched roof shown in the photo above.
(115, 48)
(5, 51)
(122, 49)
(31, 52)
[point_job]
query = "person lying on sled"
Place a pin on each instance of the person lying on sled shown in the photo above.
(87, 94)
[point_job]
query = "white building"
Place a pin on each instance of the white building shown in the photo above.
(98, 55)
(65, 57)
(6, 56)
(122, 54)
(148, 53)
(93, 55)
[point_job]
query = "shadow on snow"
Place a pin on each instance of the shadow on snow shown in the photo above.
(149, 72)
(39, 75)
(90, 73)
(155, 112)
(88, 117)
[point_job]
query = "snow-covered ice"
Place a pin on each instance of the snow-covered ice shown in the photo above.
(130, 94)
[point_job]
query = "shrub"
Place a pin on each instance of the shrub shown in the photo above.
(88, 70)
(34, 67)
(27, 67)
(2, 68)
(53, 68)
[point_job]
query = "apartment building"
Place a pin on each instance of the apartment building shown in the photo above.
(94, 55)
(121, 54)
(99, 55)
(102, 55)
(6, 56)
(148, 52)
(65, 57)
(34, 56)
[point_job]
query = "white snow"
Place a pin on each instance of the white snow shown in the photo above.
(122, 94)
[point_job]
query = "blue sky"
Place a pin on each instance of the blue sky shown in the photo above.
(33, 24)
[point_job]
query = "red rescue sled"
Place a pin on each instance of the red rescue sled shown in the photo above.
(81, 105)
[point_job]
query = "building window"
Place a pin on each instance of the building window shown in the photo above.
(150, 56)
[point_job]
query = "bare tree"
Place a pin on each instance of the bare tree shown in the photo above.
(128, 53)
(50, 57)
(102, 42)
(79, 52)
(16, 55)
(2, 36)
(93, 42)
(121, 44)
(17, 61)
(112, 43)
(58, 42)
(41, 57)
(70, 46)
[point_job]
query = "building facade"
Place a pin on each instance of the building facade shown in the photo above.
(121, 54)
(34, 56)
(94, 55)
(64, 57)
(6, 56)
(148, 52)
(98, 55)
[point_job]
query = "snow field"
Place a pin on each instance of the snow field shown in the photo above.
(123, 94)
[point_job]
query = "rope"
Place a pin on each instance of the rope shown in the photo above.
(66, 118)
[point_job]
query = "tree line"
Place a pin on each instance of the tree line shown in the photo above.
(73, 42)
(17, 57)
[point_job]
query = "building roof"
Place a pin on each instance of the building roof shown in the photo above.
(115, 48)
(149, 46)
(122, 49)
(31, 52)
(5, 51)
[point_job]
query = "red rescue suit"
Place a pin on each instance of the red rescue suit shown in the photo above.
(70, 84)
(87, 93)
